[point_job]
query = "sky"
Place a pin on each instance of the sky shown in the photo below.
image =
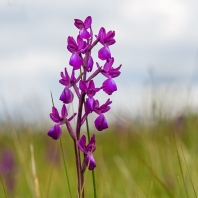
(156, 43)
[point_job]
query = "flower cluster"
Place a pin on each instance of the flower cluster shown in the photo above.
(82, 82)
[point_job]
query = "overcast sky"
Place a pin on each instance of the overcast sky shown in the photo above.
(156, 41)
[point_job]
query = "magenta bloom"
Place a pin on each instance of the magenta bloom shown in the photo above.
(88, 151)
(105, 39)
(93, 105)
(83, 26)
(89, 88)
(55, 115)
(103, 108)
(66, 80)
(55, 132)
(66, 96)
(109, 71)
(76, 49)
(60, 119)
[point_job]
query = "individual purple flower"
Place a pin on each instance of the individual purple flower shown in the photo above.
(66, 80)
(103, 108)
(108, 70)
(101, 123)
(67, 96)
(60, 119)
(93, 105)
(76, 48)
(88, 151)
(83, 26)
(88, 88)
(109, 86)
(55, 115)
(55, 132)
(105, 39)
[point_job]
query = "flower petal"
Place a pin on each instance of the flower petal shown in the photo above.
(89, 160)
(83, 86)
(64, 111)
(65, 78)
(91, 146)
(55, 132)
(84, 34)
(88, 22)
(71, 44)
(89, 105)
(109, 86)
(67, 96)
(104, 53)
(75, 61)
(82, 144)
(90, 64)
(101, 123)
(78, 23)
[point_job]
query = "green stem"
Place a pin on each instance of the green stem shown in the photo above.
(180, 165)
(93, 175)
(3, 187)
(66, 173)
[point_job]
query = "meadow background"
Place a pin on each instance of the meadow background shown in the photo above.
(150, 148)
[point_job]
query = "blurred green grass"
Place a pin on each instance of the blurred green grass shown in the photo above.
(134, 159)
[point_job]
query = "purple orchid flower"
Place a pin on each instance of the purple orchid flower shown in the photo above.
(105, 39)
(108, 70)
(109, 85)
(103, 108)
(76, 48)
(88, 88)
(88, 151)
(55, 132)
(93, 105)
(55, 115)
(83, 26)
(67, 96)
(66, 80)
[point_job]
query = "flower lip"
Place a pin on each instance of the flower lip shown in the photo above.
(109, 86)
(66, 96)
(55, 132)
(101, 123)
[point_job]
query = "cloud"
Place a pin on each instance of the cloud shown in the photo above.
(149, 34)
